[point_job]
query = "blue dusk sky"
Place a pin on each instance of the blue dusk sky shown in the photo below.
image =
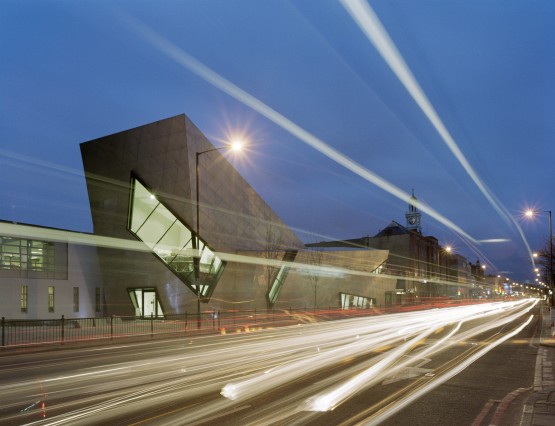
(347, 106)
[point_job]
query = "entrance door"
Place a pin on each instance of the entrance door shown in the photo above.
(149, 303)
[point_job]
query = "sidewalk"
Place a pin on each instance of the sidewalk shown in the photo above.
(539, 410)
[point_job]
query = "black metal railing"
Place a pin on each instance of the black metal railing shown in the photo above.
(18, 332)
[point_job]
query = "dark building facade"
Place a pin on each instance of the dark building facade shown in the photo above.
(421, 267)
(142, 185)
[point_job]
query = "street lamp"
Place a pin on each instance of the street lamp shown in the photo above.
(442, 252)
(530, 213)
(235, 146)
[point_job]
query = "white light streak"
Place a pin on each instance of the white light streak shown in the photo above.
(369, 23)
(248, 366)
(445, 377)
(189, 62)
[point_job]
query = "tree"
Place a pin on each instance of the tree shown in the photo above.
(315, 258)
(545, 261)
(273, 249)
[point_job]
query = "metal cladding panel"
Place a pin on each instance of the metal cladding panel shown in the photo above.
(162, 155)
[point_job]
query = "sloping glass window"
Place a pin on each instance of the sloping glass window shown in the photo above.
(273, 294)
(171, 240)
(277, 284)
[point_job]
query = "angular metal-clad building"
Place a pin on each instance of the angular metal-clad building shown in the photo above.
(142, 186)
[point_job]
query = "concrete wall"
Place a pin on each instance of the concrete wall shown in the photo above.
(245, 284)
(82, 272)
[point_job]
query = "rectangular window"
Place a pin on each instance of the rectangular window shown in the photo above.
(24, 297)
(75, 299)
(51, 299)
(98, 305)
(32, 258)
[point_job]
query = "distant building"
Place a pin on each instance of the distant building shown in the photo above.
(423, 268)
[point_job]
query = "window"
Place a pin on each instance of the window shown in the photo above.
(36, 259)
(24, 298)
(171, 241)
(273, 294)
(75, 299)
(51, 299)
(146, 303)
(97, 303)
(353, 301)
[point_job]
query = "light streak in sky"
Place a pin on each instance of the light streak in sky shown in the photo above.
(369, 23)
(39, 233)
(192, 64)
(49, 234)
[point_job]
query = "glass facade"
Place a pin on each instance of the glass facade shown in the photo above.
(33, 259)
(172, 241)
(273, 294)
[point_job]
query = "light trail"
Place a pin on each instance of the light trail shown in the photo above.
(369, 23)
(49, 234)
(409, 399)
(329, 400)
(420, 323)
(192, 64)
(346, 356)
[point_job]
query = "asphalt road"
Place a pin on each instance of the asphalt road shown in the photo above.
(456, 366)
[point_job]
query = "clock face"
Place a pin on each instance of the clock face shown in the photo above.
(412, 220)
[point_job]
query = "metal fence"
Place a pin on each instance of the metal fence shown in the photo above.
(16, 332)
(37, 332)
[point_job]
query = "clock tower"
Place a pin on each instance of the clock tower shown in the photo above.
(413, 215)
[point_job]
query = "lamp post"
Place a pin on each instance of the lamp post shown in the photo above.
(443, 275)
(530, 213)
(196, 241)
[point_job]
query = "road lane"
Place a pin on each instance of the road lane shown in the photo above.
(259, 378)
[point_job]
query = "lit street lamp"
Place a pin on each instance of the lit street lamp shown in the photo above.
(530, 213)
(235, 146)
(443, 287)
